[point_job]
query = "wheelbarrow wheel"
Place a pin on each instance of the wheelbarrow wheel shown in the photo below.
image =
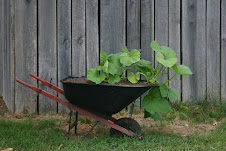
(127, 123)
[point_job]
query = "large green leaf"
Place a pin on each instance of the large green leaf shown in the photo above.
(169, 60)
(113, 79)
(130, 57)
(113, 64)
(163, 49)
(141, 68)
(125, 49)
(164, 89)
(173, 94)
(154, 102)
(134, 78)
(157, 116)
(182, 70)
(103, 56)
(144, 62)
(155, 45)
(95, 76)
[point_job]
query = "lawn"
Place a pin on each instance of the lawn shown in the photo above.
(32, 132)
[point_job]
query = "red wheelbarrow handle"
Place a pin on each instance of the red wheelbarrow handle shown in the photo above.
(48, 84)
(64, 102)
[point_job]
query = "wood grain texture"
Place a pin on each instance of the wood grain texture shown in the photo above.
(12, 54)
(25, 54)
(133, 29)
(194, 49)
(1, 47)
(223, 51)
(213, 50)
(47, 52)
(92, 34)
(161, 27)
(63, 44)
(78, 38)
(5, 53)
(175, 39)
(147, 29)
(112, 25)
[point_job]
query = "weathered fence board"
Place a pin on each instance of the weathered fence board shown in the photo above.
(47, 54)
(213, 49)
(133, 29)
(7, 75)
(161, 26)
(223, 51)
(174, 38)
(12, 54)
(1, 47)
(147, 29)
(5, 53)
(194, 49)
(78, 38)
(63, 44)
(92, 34)
(112, 25)
(25, 54)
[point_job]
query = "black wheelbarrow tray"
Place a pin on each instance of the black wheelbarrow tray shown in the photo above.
(97, 101)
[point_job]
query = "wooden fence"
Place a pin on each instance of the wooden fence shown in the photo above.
(57, 38)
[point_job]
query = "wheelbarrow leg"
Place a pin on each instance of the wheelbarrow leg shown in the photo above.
(76, 121)
(69, 127)
(90, 130)
(73, 125)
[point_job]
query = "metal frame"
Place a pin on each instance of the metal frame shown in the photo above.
(109, 122)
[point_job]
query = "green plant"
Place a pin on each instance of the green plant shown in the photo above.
(113, 67)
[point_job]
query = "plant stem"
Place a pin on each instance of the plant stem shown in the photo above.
(158, 72)
(157, 66)
(160, 76)
(170, 79)
(144, 76)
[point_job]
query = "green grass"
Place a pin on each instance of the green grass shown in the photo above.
(202, 112)
(46, 135)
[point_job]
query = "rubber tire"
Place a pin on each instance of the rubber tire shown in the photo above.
(127, 123)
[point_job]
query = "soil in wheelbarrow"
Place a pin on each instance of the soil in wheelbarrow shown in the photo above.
(122, 82)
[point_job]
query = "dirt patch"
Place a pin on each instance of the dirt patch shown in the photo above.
(122, 82)
(3, 107)
(177, 126)
(183, 128)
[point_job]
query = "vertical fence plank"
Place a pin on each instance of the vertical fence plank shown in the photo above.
(12, 53)
(174, 38)
(78, 38)
(147, 30)
(213, 49)
(47, 54)
(8, 75)
(133, 28)
(92, 34)
(112, 25)
(64, 43)
(4, 51)
(161, 26)
(25, 53)
(194, 49)
(223, 51)
(1, 48)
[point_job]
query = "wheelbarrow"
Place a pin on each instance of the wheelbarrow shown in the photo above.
(97, 101)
